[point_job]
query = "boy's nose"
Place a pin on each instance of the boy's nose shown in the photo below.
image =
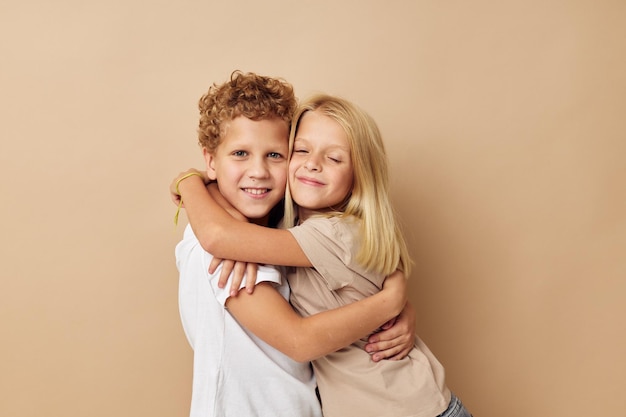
(258, 169)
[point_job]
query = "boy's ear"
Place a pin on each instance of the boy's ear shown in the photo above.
(209, 158)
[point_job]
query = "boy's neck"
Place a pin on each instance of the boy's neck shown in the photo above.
(261, 221)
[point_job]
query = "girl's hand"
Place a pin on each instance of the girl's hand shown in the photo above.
(175, 193)
(396, 339)
(239, 271)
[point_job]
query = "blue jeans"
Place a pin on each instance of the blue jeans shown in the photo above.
(455, 409)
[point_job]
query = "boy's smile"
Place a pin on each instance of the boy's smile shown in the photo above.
(250, 164)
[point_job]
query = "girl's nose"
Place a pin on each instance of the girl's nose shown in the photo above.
(312, 164)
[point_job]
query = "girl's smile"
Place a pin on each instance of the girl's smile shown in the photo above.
(320, 171)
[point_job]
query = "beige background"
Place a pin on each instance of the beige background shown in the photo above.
(505, 128)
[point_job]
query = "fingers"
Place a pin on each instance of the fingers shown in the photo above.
(395, 349)
(175, 198)
(238, 273)
(389, 324)
(215, 262)
(251, 269)
(399, 331)
(395, 342)
(174, 192)
(227, 267)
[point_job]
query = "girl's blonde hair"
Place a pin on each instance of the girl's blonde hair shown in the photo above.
(383, 248)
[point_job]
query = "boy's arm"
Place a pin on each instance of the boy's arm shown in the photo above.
(227, 238)
(307, 338)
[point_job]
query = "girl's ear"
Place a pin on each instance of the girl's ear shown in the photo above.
(209, 158)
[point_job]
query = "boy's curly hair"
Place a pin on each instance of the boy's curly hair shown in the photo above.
(250, 95)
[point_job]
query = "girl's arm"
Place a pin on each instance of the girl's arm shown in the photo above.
(268, 315)
(227, 238)
(300, 338)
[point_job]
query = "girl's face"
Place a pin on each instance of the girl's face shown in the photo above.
(320, 170)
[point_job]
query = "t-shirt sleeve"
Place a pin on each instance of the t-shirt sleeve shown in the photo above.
(330, 246)
(264, 274)
(195, 261)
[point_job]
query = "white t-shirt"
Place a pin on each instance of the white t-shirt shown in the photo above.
(235, 374)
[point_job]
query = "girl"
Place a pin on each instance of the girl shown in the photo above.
(343, 239)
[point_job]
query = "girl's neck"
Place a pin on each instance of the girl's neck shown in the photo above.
(305, 213)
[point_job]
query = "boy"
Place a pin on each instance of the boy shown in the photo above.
(243, 131)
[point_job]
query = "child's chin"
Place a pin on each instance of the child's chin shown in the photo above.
(255, 214)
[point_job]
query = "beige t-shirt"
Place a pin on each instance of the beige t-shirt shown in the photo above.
(350, 383)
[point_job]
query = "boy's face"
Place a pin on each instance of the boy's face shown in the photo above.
(250, 164)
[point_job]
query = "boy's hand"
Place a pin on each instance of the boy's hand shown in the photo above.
(396, 339)
(174, 193)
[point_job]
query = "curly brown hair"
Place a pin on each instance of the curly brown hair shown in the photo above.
(250, 95)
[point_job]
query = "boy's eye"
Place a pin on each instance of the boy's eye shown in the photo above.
(240, 153)
(275, 155)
